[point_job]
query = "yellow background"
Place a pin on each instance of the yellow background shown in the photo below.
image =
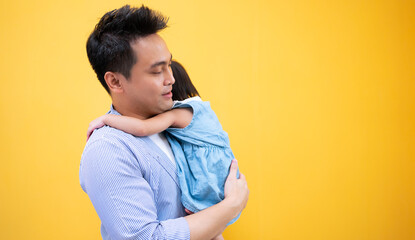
(318, 98)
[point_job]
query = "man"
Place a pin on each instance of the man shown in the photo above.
(130, 180)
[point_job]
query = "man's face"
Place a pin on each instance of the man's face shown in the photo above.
(148, 90)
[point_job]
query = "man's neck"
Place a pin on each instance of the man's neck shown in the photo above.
(124, 110)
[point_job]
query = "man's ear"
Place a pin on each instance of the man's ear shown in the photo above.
(113, 82)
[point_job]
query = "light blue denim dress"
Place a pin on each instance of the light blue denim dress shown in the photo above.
(203, 156)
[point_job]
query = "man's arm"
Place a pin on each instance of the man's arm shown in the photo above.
(122, 197)
(212, 221)
(125, 202)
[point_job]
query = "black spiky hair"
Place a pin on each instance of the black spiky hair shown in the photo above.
(108, 47)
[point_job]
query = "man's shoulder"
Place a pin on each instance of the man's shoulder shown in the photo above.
(109, 152)
(110, 147)
(107, 133)
(106, 136)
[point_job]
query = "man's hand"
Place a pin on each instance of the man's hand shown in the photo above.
(236, 190)
(220, 237)
(211, 222)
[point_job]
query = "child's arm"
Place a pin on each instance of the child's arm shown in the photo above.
(179, 118)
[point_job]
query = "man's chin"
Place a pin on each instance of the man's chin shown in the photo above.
(165, 107)
(169, 105)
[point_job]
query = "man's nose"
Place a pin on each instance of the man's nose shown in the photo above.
(169, 79)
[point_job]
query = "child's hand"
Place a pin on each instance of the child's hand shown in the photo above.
(97, 123)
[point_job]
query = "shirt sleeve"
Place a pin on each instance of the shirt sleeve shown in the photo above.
(123, 199)
(204, 129)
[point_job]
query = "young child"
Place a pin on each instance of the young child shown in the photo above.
(199, 144)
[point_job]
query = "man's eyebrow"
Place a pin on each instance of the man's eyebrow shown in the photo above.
(161, 62)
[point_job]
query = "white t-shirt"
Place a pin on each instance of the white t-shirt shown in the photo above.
(160, 140)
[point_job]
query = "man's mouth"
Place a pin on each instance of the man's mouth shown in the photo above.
(169, 94)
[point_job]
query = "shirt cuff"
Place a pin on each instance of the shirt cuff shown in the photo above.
(176, 228)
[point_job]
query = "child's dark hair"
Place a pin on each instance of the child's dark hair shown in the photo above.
(183, 88)
(108, 47)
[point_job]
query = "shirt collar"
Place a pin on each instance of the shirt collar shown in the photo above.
(113, 111)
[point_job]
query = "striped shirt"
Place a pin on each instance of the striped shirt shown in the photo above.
(133, 187)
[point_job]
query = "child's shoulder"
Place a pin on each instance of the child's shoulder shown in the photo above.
(193, 102)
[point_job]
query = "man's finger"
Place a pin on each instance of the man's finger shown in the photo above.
(234, 169)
